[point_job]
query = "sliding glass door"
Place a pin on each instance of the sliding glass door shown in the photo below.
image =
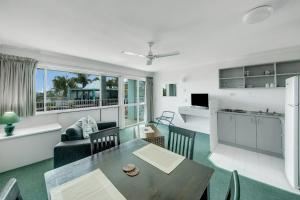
(134, 101)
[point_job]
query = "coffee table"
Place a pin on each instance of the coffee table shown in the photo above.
(155, 137)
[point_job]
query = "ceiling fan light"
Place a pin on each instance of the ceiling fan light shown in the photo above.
(258, 14)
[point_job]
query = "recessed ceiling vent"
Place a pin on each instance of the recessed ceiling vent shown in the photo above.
(258, 14)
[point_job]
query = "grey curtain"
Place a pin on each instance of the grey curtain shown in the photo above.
(17, 85)
(149, 100)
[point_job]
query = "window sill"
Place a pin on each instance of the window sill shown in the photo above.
(75, 110)
(24, 132)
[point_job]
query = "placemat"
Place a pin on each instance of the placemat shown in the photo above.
(159, 157)
(92, 186)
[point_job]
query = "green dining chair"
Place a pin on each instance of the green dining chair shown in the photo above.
(104, 139)
(11, 191)
(181, 141)
(233, 192)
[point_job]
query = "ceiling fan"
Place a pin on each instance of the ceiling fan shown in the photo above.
(150, 57)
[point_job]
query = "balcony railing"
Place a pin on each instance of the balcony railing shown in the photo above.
(66, 104)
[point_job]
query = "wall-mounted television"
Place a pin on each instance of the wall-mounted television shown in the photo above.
(199, 100)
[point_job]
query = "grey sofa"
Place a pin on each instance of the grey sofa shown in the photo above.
(73, 146)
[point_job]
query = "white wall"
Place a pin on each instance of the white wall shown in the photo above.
(204, 79)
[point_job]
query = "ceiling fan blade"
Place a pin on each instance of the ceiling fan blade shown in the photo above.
(174, 53)
(149, 62)
(133, 54)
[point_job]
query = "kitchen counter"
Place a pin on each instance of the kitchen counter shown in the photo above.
(254, 113)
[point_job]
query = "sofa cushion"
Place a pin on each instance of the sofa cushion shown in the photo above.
(105, 125)
(74, 132)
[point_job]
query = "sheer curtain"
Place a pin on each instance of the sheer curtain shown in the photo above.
(149, 99)
(17, 85)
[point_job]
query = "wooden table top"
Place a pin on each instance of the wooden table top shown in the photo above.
(188, 181)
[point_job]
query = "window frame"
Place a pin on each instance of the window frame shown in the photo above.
(137, 104)
(47, 68)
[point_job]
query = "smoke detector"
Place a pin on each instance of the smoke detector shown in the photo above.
(258, 14)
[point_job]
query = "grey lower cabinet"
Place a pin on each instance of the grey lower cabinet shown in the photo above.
(269, 135)
(259, 133)
(246, 131)
(226, 127)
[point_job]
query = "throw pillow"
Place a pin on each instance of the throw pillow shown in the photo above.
(89, 125)
(93, 124)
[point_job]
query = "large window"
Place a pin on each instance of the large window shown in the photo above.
(134, 101)
(61, 90)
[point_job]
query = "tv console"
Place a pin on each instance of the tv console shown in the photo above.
(195, 111)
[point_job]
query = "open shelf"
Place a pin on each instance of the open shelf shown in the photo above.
(259, 76)
(260, 70)
(259, 82)
(231, 72)
(290, 67)
(281, 79)
(289, 74)
(232, 83)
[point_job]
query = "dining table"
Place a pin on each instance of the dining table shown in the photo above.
(189, 180)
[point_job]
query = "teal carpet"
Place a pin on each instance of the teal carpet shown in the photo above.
(32, 184)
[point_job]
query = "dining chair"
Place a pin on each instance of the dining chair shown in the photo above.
(104, 139)
(233, 192)
(167, 116)
(11, 191)
(181, 141)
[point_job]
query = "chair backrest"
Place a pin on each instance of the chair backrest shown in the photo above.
(167, 116)
(181, 141)
(11, 191)
(233, 192)
(104, 139)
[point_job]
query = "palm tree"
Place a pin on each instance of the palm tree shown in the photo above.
(62, 83)
(111, 83)
(83, 79)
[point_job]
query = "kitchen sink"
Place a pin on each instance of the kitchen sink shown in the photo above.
(265, 113)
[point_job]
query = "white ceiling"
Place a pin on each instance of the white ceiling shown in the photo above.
(204, 31)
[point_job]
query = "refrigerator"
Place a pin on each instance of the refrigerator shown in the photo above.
(292, 131)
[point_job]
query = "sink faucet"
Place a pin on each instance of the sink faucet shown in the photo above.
(267, 110)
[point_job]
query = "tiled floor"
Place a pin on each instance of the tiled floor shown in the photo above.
(260, 167)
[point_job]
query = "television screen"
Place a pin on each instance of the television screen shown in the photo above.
(200, 100)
